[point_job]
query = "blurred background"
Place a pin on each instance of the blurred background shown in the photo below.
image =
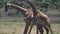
(12, 22)
(49, 7)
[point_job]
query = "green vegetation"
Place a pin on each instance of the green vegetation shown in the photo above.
(42, 4)
(18, 28)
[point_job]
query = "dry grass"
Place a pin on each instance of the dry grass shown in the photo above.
(18, 28)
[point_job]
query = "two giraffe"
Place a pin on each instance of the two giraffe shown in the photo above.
(33, 17)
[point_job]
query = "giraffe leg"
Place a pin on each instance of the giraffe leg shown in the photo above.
(37, 30)
(49, 26)
(26, 29)
(30, 29)
(51, 30)
(47, 30)
(41, 30)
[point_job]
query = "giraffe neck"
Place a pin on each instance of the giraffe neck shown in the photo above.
(33, 7)
(22, 10)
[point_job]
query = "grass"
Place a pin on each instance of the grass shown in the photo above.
(18, 28)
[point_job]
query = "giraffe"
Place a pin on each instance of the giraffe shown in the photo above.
(27, 14)
(42, 20)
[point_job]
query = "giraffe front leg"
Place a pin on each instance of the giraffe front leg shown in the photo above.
(37, 31)
(26, 29)
(30, 29)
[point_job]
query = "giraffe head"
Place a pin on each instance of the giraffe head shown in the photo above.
(7, 6)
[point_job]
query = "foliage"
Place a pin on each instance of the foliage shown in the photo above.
(42, 4)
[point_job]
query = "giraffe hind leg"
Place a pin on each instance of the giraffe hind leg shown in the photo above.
(41, 30)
